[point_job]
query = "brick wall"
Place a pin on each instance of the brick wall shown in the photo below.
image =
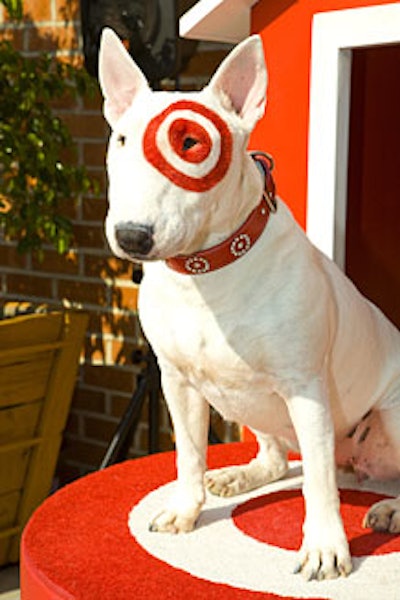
(88, 276)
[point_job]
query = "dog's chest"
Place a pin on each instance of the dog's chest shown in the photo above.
(220, 353)
(191, 337)
(218, 368)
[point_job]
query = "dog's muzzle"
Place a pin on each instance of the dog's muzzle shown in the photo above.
(135, 240)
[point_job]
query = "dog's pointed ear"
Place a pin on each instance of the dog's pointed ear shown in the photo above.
(242, 79)
(120, 78)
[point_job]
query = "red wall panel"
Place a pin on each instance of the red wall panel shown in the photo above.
(285, 27)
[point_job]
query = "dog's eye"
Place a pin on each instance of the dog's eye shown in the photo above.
(188, 143)
(121, 139)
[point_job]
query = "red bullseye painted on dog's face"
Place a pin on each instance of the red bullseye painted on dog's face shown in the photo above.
(189, 140)
(190, 145)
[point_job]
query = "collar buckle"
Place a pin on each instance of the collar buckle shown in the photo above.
(265, 164)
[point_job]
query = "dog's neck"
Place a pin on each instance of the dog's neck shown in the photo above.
(243, 191)
(237, 240)
(244, 197)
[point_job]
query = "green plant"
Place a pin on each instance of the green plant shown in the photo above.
(14, 8)
(39, 176)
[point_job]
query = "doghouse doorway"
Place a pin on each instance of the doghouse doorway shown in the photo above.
(373, 199)
(353, 207)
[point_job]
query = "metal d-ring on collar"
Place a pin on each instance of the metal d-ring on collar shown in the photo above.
(265, 164)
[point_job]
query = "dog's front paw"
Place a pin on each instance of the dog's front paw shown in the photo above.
(179, 515)
(324, 560)
(384, 516)
(170, 521)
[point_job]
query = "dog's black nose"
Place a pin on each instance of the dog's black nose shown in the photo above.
(134, 239)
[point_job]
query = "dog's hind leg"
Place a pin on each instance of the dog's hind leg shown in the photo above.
(269, 465)
(384, 516)
(383, 452)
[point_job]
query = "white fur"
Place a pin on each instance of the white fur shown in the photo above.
(280, 340)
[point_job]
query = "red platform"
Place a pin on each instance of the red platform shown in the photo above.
(77, 545)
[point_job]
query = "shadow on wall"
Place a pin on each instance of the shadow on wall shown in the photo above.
(271, 11)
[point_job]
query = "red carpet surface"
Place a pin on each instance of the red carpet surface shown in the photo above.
(78, 545)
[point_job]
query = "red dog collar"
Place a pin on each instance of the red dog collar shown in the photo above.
(240, 242)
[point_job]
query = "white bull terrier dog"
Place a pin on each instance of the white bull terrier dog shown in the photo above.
(243, 313)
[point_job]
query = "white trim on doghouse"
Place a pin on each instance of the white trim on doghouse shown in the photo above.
(334, 36)
(218, 20)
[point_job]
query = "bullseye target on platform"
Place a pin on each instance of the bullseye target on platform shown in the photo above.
(190, 145)
(250, 543)
(90, 540)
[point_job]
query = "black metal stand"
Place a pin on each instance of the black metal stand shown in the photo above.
(148, 386)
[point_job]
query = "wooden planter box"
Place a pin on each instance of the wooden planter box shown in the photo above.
(39, 357)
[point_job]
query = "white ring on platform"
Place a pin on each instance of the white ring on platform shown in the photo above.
(219, 552)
